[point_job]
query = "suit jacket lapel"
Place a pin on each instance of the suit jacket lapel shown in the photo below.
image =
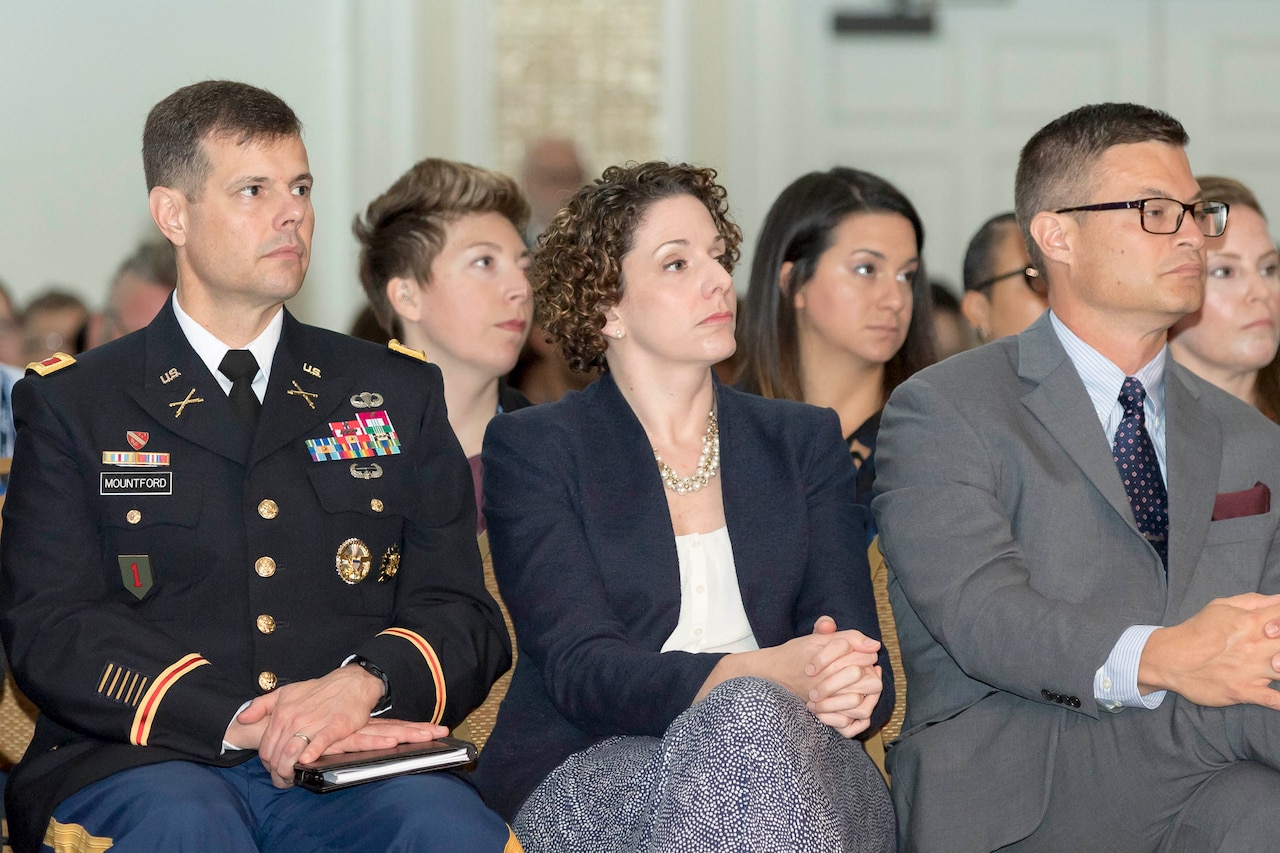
(297, 400)
(749, 514)
(1061, 404)
(180, 393)
(1193, 443)
(623, 498)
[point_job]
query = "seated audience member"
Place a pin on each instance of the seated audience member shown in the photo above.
(53, 322)
(552, 172)
(249, 598)
(138, 291)
(11, 341)
(1077, 530)
(10, 371)
(366, 327)
(951, 332)
(542, 375)
(678, 557)
(443, 265)
(1001, 297)
(1231, 341)
(838, 309)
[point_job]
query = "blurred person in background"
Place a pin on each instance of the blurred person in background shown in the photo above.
(10, 371)
(11, 343)
(951, 332)
(54, 321)
(552, 172)
(1231, 341)
(138, 290)
(1001, 297)
(838, 307)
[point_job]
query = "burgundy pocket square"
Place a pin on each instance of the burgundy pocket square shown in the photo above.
(1255, 501)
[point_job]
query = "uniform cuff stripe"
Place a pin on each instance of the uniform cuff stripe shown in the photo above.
(433, 663)
(146, 714)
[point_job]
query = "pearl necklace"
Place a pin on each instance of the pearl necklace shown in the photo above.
(708, 462)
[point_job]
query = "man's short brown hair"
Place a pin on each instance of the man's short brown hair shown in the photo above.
(1057, 166)
(173, 138)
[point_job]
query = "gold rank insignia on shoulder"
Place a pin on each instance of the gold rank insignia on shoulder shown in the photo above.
(395, 346)
(56, 362)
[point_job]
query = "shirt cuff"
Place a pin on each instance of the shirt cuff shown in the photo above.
(1115, 684)
(228, 746)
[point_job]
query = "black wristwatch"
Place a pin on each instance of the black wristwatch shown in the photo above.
(370, 667)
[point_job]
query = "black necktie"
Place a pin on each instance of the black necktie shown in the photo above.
(240, 367)
(1139, 468)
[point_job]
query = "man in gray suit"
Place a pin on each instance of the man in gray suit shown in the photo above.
(1078, 531)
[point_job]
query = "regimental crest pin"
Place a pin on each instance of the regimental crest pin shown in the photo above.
(390, 564)
(137, 438)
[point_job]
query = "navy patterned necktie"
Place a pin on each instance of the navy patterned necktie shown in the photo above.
(1139, 468)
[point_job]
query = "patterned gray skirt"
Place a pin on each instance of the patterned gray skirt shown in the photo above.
(748, 768)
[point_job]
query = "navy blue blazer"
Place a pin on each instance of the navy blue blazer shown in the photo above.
(585, 556)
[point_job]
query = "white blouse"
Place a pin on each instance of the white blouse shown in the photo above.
(711, 615)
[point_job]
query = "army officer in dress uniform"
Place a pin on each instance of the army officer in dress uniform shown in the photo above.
(233, 542)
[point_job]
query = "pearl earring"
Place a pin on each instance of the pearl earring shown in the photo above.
(618, 334)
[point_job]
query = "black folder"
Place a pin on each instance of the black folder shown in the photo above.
(332, 772)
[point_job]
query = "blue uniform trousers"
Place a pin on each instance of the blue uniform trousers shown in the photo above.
(180, 806)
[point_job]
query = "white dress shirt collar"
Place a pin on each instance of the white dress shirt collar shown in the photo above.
(212, 351)
(1103, 380)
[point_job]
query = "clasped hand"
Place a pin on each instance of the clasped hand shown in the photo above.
(834, 672)
(1226, 654)
(333, 714)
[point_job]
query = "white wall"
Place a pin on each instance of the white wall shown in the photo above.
(944, 115)
(376, 84)
(761, 89)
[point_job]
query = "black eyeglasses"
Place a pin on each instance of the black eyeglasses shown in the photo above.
(1034, 283)
(1164, 215)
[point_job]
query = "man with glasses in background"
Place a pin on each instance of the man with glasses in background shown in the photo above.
(1077, 530)
(1001, 297)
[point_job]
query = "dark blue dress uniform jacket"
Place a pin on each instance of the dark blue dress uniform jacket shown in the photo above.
(129, 670)
(586, 559)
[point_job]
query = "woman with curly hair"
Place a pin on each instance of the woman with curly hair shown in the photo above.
(838, 308)
(684, 563)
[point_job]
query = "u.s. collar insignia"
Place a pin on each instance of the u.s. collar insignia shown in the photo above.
(311, 370)
(353, 561)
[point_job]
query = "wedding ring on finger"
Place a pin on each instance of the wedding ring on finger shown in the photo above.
(304, 737)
